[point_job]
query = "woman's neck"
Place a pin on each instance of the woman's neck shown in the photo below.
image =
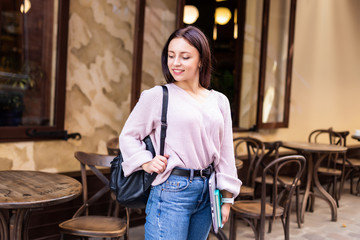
(196, 91)
(193, 88)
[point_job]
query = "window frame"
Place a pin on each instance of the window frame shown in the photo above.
(264, 43)
(35, 133)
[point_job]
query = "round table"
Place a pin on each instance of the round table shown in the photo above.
(21, 191)
(309, 149)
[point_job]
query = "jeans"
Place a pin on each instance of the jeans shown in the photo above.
(179, 209)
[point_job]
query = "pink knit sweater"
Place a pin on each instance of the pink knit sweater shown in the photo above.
(198, 134)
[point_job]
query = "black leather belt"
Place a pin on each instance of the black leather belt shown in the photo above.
(197, 173)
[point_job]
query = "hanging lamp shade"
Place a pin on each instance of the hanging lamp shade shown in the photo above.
(222, 15)
(191, 14)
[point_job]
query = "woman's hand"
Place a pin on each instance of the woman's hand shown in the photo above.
(225, 211)
(225, 208)
(157, 164)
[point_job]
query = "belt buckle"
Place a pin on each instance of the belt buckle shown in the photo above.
(201, 173)
(204, 172)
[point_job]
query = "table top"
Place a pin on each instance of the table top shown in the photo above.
(314, 147)
(30, 189)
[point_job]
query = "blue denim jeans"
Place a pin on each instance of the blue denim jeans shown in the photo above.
(179, 209)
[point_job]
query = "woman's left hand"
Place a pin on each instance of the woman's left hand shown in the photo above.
(225, 211)
(225, 208)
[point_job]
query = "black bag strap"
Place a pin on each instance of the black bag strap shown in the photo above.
(164, 119)
(162, 132)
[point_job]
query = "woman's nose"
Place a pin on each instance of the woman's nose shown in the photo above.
(176, 61)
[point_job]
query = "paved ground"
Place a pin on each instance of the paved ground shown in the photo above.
(317, 225)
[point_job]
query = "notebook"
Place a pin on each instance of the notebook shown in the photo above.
(215, 202)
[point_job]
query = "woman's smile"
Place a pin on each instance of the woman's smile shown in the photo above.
(183, 60)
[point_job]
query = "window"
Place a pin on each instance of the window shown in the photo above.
(33, 51)
(252, 43)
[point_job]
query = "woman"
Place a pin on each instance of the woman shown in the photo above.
(199, 134)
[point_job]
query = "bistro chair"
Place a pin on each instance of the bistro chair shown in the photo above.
(112, 146)
(284, 179)
(256, 212)
(331, 167)
(352, 167)
(250, 150)
(84, 223)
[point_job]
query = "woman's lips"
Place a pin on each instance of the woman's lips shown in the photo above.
(177, 71)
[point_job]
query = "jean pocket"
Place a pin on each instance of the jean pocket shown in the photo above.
(175, 184)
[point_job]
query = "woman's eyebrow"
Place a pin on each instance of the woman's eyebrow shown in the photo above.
(170, 51)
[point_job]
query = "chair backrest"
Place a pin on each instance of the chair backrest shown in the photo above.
(112, 146)
(251, 150)
(327, 136)
(294, 166)
(93, 162)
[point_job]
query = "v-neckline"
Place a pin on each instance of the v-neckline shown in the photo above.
(206, 99)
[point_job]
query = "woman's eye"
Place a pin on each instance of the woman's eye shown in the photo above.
(171, 57)
(186, 58)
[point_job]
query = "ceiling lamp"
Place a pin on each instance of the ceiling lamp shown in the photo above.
(191, 14)
(25, 7)
(222, 15)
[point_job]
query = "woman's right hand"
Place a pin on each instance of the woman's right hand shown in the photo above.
(157, 164)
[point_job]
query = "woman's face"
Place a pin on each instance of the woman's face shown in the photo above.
(183, 60)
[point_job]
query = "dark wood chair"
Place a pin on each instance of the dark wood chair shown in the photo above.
(352, 167)
(84, 223)
(250, 150)
(112, 146)
(332, 167)
(256, 212)
(272, 152)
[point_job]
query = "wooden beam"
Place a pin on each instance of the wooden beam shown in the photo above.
(137, 51)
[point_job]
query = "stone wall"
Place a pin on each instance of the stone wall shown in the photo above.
(98, 87)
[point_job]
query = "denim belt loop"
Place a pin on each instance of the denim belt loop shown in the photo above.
(191, 174)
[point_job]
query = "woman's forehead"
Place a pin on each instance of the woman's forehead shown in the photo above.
(181, 44)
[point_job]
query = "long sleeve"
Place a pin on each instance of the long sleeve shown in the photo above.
(142, 121)
(226, 173)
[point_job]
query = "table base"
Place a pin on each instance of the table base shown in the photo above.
(13, 223)
(310, 193)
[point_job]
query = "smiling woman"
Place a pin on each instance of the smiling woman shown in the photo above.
(33, 42)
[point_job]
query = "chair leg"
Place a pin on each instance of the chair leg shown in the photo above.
(270, 225)
(357, 186)
(298, 212)
(232, 231)
(285, 219)
(351, 183)
(287, 227)
(260, 232)
(335, 192)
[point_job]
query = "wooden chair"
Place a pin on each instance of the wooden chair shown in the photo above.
(284, 180)
(83, 223)
(352, 167)
(112, 146)
(256, 212)
(331, 167)
(250, 150)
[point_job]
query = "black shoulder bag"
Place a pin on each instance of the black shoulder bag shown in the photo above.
(133, 191)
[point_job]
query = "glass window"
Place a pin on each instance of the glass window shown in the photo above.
(33, 46)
